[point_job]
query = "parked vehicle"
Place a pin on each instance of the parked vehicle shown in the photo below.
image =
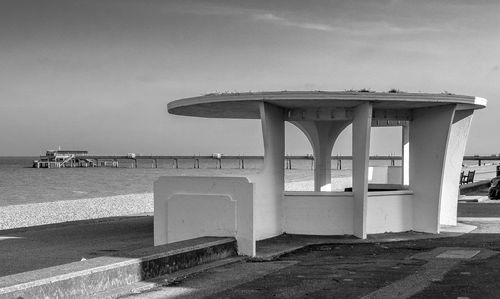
(494, 190)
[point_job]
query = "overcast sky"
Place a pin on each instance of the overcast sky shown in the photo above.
(97, 75)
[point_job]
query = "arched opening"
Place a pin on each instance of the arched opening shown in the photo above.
(342, 167)
(322, 136)
(299, 175)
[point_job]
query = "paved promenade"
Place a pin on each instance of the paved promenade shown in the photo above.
(466, 266)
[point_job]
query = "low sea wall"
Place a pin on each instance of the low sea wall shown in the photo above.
(474, 187)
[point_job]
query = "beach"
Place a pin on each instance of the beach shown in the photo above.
(25, 215)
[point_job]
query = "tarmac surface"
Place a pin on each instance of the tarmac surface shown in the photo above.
(466, 266)
(460, 266)
(26, 249)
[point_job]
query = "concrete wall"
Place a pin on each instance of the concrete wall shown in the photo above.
(332, 213)
(190, 207)
(196, 215)
(394, 174)
(385, 174)
(390, 211)
(377, 174)
(318, 213)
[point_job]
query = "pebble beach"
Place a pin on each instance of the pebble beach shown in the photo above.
(25, 215)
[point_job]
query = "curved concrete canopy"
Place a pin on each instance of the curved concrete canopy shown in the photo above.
(246, 105)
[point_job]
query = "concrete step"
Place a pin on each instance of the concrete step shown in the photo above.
(88, 277)
(164, 280)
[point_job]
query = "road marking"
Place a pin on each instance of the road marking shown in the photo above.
(458, 254)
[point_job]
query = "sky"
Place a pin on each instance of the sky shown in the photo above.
(97, 75)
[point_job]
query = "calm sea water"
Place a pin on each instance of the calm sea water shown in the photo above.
(20, 183)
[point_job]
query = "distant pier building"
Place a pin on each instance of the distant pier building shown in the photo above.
(63, 158)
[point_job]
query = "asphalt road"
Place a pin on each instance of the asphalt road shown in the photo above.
(489, 209)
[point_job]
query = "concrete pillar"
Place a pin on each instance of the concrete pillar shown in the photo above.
(270, 181)
(405, 155)
(322, 136)
(455, 151)
(429, 135)
(361, 129)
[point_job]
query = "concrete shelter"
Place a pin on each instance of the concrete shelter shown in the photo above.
(434, 130)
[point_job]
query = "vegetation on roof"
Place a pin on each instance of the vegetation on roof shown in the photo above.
(365, 90)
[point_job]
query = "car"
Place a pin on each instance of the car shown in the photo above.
(494, 190)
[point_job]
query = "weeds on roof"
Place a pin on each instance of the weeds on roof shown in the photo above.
(395, 90)
(359, 90)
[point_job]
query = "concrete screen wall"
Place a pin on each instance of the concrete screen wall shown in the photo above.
(190, 207)
(318, 213)
(389, 211)
(385, 175)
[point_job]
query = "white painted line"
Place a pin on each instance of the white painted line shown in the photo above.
(479, 219)
(458, 254)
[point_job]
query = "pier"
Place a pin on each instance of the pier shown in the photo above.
(85, 160)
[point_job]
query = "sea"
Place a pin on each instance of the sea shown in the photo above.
(20, 183)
